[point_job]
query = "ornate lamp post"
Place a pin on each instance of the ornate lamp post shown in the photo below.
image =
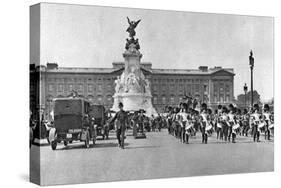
(251, 63)
(245, 91)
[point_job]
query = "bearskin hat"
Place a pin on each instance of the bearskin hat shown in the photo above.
(224, 109)
(238, 111)
(204, 106)
(266, 107)
(256, 107)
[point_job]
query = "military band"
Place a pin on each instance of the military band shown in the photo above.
(228, 122)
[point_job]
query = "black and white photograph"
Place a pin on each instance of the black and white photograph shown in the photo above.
(119, 94)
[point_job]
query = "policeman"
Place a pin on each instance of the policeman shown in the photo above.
(121, 120)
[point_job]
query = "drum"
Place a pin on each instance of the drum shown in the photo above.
(261, 125)
(189, 129)
(209, 129)
(236, 127)
(219, 125)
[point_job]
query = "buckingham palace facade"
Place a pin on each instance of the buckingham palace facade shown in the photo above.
(168, 86)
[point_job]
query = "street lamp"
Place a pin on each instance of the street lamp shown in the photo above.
(251, 63)
(245, 91)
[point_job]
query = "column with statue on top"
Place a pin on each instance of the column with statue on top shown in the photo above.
(132, 88)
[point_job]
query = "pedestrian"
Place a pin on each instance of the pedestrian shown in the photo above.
(121, 121)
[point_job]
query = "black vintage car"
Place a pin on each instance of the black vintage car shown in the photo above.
(72, 122)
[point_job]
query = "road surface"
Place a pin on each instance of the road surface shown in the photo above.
(158, 156)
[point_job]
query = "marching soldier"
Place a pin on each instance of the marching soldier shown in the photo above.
(218, 123)
(256, 121)
(183, 122)
(245, 123)
(266, 119)
(169, 120)
(231, 122)
(121, 119)
(224, 122)
(204, 123)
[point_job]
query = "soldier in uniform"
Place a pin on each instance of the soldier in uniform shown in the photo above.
(183, 122)
(218, 122)
(266, 118)
(169, 120)
(231, 122)
(224, 121)
(204, 123)
(245, 123)
(256, 121)
(121, 119)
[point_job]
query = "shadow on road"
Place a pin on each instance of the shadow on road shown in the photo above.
(97, 145)
(137, 147)
(105, 145)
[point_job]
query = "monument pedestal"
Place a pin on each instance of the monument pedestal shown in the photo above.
(132, 88)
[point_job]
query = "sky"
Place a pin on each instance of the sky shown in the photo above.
(92, 36)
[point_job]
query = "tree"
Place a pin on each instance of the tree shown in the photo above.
(241, 98)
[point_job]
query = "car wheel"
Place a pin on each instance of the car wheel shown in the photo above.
(54, 145)
(65, 143)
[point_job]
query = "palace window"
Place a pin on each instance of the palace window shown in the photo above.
(60, 87)
(99, 88)
(70, 87)
(50, 87)
(227, 98)
(154, 89)
(155, 100)
(164, 100)
(90, 88)
(205, 88)
(100, 99)
(172, 100)
(109, 87)
(221, 99)
(80, 87)
(197, 88)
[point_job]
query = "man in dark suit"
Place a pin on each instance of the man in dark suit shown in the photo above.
(121, 120)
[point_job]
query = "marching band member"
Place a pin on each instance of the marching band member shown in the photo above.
(169, 120)
(256, 121)
(183, 122)
(204, 123)
(245, 123)
(231, 123)
(175, 118)
(224, 122)
(219, 123)
(266, 118)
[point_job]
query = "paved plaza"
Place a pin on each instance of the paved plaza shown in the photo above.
(158, 156)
